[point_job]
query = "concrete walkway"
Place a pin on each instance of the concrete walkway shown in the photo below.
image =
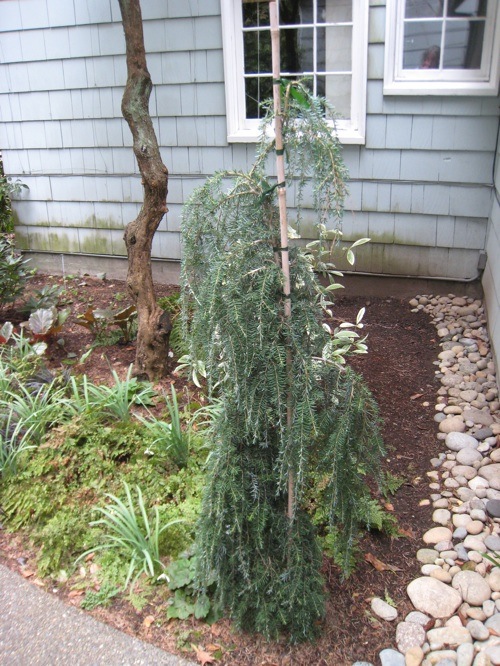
(37, 629)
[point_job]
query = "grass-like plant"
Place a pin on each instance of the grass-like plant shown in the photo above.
(170, 438)
(128, 530)
(36, 410)
(115, 400)
(14, 441)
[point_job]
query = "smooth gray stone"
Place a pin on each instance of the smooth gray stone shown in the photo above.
(492, 542)
(390, 657)
(493, 508)
(483, 433)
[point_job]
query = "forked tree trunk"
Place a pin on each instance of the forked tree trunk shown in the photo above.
(154, 325)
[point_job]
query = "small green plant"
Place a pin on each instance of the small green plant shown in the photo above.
(45, 323)
(13, 272)
(101, 597)
(188, 599)
(390, 484)
(6, 332)
(177, 341)
(21, 358)
(195, 368)
(99, 320)
(128, 529)
(43, 299)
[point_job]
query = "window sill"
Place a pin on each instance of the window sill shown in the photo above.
(478, 88)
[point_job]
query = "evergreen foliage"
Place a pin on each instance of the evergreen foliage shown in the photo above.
(301, 417)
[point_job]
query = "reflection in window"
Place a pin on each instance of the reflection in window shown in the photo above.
(316, 43)
(444, 34)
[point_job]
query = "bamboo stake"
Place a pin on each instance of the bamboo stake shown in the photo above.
(285, 259)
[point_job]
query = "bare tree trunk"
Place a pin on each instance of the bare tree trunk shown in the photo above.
(154, 325)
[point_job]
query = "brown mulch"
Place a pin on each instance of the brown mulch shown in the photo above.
(399, 370)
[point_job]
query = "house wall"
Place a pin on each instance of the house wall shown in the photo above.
(491, 277)
(420, 188)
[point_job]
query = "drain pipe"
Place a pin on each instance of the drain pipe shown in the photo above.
(347, 273)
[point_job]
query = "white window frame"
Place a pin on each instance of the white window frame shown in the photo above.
(240, 129)
(399, 81)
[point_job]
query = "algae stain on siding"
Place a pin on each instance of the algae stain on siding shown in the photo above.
(98, 244)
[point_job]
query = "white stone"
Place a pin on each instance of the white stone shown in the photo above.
(437, 534)
(453, 424)
(472, 587)
(492, 474)
(417, 617)
(465, 654)
(461, 519)
(494, 579)
(474, 527)
(464, 471)
(457, 441)
(441, 516)
(448, 637)
(433, 597)
(468, 455)
(383, 610)
(408, 635)
(477, 630)
(478, 483)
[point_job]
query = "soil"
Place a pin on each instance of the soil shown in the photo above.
(400, 372)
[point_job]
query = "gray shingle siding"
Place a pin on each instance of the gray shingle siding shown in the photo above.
(420, 187)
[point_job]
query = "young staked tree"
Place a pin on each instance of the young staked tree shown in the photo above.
(154, 324)
(290, 410)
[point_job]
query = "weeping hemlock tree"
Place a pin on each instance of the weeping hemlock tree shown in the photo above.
(267, 562)
(153, 323)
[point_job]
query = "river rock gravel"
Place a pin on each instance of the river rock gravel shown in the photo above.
(457, 597)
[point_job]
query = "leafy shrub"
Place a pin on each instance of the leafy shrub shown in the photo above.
(13, 272)
(8, 189)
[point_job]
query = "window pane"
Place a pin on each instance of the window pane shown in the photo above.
(463, 45)
(257, 47)
(294, 12)
(421, 45)
(424, 8)
(256, 91)
(255, 13)
(337, 89)
(297, 50)
(337, 12)
(336, 45)
(467, 8)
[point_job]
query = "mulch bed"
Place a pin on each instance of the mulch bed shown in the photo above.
(400, 372)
